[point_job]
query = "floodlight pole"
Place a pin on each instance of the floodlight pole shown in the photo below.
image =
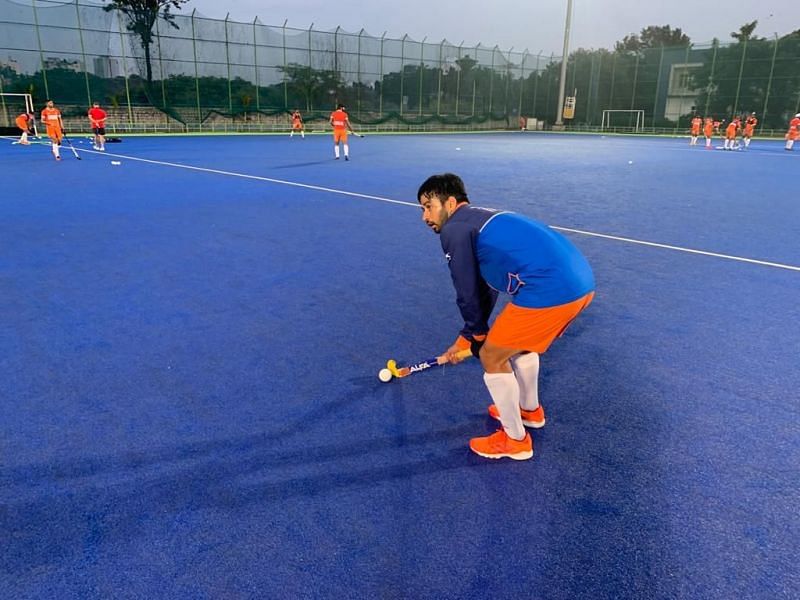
(562, 85)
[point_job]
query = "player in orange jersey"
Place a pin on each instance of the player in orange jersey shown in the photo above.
(51, 117)
(696, 123)
(97, 120)
(708, 130)
(341, 124)
(749, 128)
(24, 123)
(794, 132)
(730, 134)
(297, 124)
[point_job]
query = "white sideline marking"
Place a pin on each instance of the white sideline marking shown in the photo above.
(413, 204)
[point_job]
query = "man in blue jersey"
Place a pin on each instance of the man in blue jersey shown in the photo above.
(550, 283)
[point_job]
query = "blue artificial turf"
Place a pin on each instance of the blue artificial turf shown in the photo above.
(188, 367)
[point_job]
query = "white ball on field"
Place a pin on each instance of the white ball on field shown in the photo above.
(630, 162)
(385, 375)
(458, 148)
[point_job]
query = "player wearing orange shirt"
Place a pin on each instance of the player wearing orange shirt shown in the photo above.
(51, 117)
(696, 123)
(730, 134)
(24, 122)
(297, 124)
(749, 128)
(794, 131)
(341, 124)
(708, 130)
(97, 120)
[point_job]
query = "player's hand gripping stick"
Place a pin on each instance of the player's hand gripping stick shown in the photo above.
(392, 370)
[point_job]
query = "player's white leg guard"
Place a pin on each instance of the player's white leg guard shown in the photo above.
(346, 150)
(504, 390)
(336, 150)
(526, 368)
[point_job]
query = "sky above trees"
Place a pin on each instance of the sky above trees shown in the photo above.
(537, 26)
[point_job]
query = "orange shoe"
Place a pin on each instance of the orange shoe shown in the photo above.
(530, 418)
(499, 445)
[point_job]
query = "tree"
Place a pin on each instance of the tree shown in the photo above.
(653, 36)
(745, 32)
(142, 15)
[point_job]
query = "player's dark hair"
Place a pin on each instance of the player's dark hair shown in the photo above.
(340, 106)
(443, 186)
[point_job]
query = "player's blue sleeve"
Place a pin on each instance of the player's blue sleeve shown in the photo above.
(474, 297)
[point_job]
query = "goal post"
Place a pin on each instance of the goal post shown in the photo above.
(634, 120)
(13, 105)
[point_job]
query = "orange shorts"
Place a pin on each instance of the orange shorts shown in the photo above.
(339, 135)
(534, 329)
(54, 133)
(297, 125)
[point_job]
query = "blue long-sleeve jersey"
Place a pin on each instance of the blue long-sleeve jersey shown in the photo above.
(490, 252)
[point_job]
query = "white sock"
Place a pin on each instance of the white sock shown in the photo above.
(504, 389)
(336, 150)
(24, 137)
(346, 150)
(789, 144)
(55, 149)
(291, 134)
(526, 368)
(303, 134)
(708, 142)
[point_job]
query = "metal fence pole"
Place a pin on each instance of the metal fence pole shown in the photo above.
(613, 81)
(769, 83)
(255, 65)
(125, 68)
(309, 99)
(710, 85)
(358, 97)
(739, 79)
(658, 85)
(228, 65)
(41, 54)
(196, 80)
(521, 81)
(402, 68)
(285, 80)
(635, 81)
(380, 98)
(475, 81)
(458, 77)
(421, 70)
(491, 80)
(534, 112)
(439, 88)
(161, 68)
(83, 54)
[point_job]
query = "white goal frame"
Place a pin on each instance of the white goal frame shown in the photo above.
(605, 123)
(28, 108)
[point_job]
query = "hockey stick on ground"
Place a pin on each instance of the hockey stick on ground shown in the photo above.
(436, 361)
(71, 147)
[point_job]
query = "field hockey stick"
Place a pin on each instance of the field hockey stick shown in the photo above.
(71, 147)
(436, 361)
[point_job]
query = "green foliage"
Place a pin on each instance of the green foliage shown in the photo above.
(142, 15)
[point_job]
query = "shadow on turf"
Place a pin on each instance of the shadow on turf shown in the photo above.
(305, 164)
(50, 521)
